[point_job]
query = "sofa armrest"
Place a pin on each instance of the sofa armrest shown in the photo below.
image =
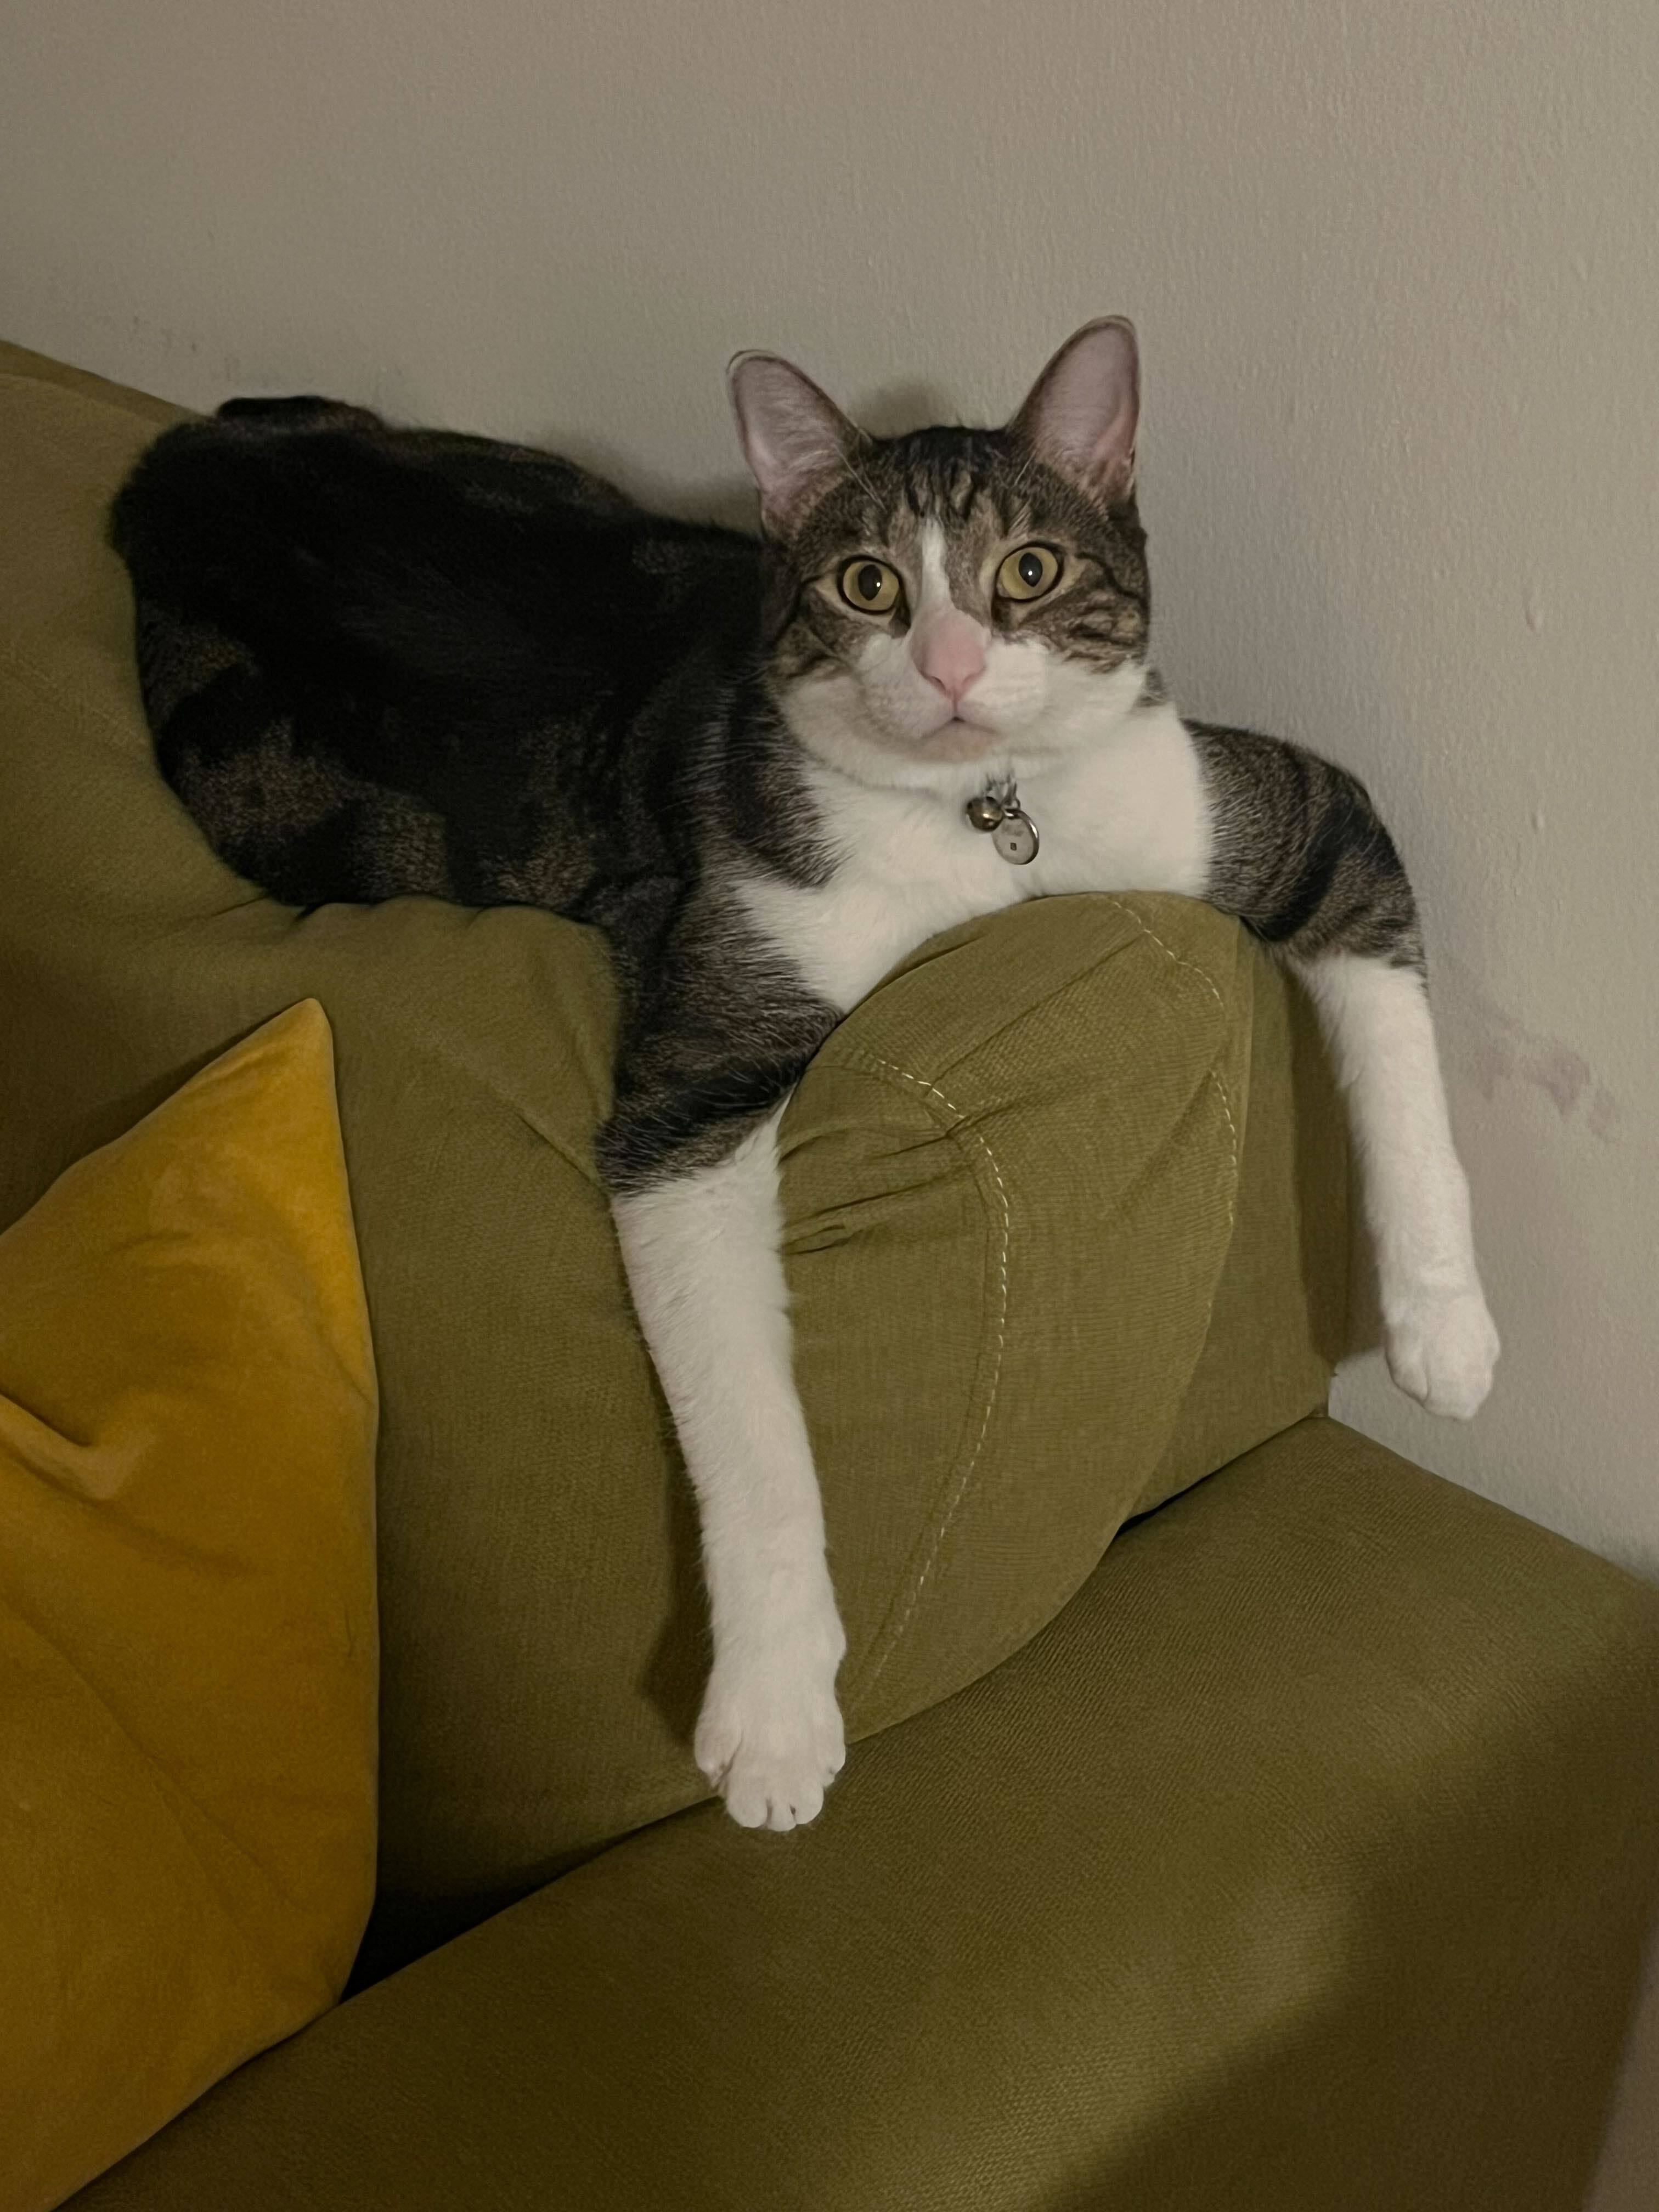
(1013, 1182)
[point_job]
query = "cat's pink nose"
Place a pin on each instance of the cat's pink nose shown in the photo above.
(950, 651)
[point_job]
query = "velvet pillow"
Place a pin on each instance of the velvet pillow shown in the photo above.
(188, 1652)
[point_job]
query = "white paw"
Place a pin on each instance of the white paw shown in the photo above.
(1442, 1349)
(770, 1736)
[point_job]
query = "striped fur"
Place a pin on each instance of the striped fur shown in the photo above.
(1299, 854)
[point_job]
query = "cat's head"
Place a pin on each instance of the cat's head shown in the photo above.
(954, 595)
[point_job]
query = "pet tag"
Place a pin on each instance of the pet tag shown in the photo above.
(1010, 829)
(1015, 837)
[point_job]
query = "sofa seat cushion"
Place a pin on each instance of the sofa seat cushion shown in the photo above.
(1064, 1201)
(1301, 1862)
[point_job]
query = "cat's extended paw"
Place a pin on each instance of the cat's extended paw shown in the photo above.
(1442, 1348)
(770, 1738)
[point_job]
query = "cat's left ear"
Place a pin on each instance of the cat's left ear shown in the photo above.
(1081, 414)
(795, 439)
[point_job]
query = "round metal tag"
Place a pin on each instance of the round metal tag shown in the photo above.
(1016, 839)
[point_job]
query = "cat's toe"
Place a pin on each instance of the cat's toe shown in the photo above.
(759, 1797)
(771, 1747)
(1441, 1350)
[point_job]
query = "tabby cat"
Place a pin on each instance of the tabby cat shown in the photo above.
(381, 661)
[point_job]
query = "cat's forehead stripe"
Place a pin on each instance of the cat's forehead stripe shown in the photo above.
(943, 471)
(935, 583)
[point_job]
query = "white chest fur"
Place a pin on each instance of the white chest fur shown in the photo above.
(1125, 813)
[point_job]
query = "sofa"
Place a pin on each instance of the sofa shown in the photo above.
(1237, 1815)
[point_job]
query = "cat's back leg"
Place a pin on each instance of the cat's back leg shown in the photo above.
(251, 737)
(1300, 855)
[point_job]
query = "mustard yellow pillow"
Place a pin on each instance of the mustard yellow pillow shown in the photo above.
(188, 1654)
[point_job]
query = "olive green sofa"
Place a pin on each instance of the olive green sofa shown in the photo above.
(1237, 1816)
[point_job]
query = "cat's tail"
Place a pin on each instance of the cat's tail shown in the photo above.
(288, 815)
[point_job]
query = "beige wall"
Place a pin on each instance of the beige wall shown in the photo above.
(1397, 275)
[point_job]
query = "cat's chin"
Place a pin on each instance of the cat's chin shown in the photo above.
(957, 740)
(830, 719)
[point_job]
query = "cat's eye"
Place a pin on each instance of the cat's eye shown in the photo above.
(1029, 572)
(870, 585)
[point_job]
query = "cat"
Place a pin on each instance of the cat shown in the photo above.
(380, 661)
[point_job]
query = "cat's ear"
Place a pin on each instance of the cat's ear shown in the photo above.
(795, 439)
(1081, 413)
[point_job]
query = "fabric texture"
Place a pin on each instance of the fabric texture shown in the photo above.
(1301, 1863)
(1064, 1202)
(187, 1617)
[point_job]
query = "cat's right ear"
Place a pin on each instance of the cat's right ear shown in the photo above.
(795, 439)
(1080, 415)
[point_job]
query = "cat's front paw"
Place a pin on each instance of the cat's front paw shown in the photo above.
(1442, 1348)
(770, 1736)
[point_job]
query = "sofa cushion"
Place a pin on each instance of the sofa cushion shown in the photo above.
(187, 1643)
(1302, 1862)
(1065, 1233)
